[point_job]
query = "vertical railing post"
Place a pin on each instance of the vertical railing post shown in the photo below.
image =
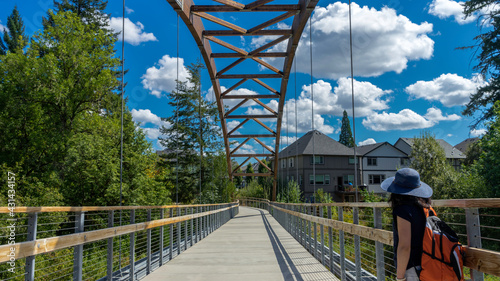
(171, 238)
(148, 246)
(162, 228)
(185, 230)
(379, 247)
(322, 229)
(191, 222)
(132, 247)
(330, 240)
(342, 245)
(78, 250)
(357, 245)
(178, 225)
(109, 263)
(474, 236)
(30, 261)
(309, 211)
(315, 213)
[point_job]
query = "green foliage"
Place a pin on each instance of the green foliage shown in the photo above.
(15, 39)
(92, 11)
(345, 137)
(265, 182)
(322, 197)
(253, 189)
(428, 158)
(370, 196)
(489, 65)
(249, 170)
(191, 135)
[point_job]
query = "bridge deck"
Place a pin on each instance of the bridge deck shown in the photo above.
(251, 246)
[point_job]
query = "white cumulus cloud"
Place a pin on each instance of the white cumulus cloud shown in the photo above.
(151, 133)
(383, 41)
(478, 132)
(406, 119)
(161, 77)
(145, 116)
(448, 8)
(128, 10)
(367, 142)
(449, 89)
(134, 32)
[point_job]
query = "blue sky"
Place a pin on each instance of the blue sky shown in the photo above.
(408, 73)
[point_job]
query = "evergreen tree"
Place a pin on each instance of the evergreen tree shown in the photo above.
(14, 37)
(249, 170)
(489, 64)
(345, 132)
(192, 134)
(90, 11)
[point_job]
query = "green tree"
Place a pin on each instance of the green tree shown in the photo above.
(91, 11)
(489, 64)
(249, 170)
(265, 182)
(14, 37)
(345, 132)
(427, 157)
(191, 134)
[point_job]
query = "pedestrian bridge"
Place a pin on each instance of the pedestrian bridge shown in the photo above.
(251, 239)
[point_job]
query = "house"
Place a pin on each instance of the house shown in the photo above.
(454, 156)
(464, 146)
(379, 162)
(331, 169)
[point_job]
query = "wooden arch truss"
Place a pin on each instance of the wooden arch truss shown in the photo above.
(288, 35)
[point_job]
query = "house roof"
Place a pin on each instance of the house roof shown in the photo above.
(449, 150)
(463, 146)
(323, 145)
(364, 149)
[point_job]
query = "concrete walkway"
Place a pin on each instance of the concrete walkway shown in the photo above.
(251, 246)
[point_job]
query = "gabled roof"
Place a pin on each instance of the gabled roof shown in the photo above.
(449, 150)
(323, 145)
(463, 146)
(364, 149)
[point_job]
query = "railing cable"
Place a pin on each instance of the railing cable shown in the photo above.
(312, 107)
(353, 115)
(296, 138)
(177, 123)
(121, 131)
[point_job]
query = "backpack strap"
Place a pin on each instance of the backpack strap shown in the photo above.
(429, 211)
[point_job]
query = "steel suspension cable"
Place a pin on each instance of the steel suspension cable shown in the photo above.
(312, 107)
(296, 139)
(121, 132)
(177, 122)
(353, 115)
(287, 165)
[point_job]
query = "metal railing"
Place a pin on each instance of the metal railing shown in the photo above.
(101, 243)
(355, 240)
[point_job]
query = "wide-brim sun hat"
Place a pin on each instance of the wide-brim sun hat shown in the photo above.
(407, 182)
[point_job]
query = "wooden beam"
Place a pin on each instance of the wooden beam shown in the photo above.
(242, 163)
(47, 245)
(261, 55)
(233, 87)
(264, 145)
(267, 65)
(238, 61)
(241, 144)
(237, 106)
(249, 116)
(224, 8)
(231, 3)
(252, 155)
(262, 163)
(264, 125)
(256, 4)
(248, 76)
(254, 136)
(272, 21)
(253, 174)
(237, 127)
(265, 32)
(228, 97)
(227, 45)
(265, 86)
(265, 106)
(219, 21)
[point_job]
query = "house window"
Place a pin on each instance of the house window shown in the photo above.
(376, 179)
(372, 161)
(348, 179)
(320, 179)
(318, 160)
(300, 179)
(291, 177)
(283, 163)
(290, 162)
(404, 161)
(351, 160)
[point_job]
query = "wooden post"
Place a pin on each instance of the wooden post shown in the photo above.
(109, 263)
(379, 247)
(474, 236)
(30, 261)
(132, 248)
(78, 250)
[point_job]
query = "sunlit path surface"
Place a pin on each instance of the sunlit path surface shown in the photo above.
(251, 246)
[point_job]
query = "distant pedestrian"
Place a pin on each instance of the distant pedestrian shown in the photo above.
(409, 197)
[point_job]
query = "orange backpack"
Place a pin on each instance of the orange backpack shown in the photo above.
(442, 257)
